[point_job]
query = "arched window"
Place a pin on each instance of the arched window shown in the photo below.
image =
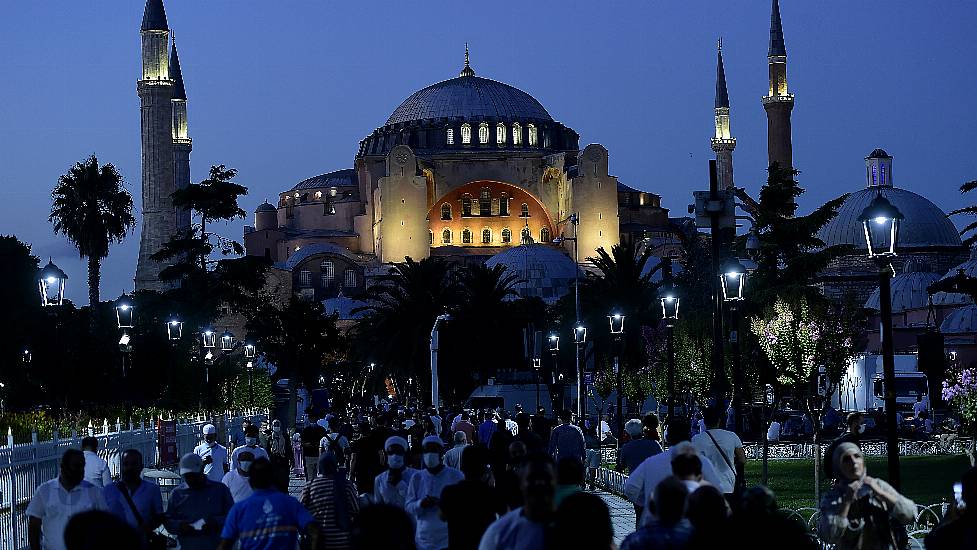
(446, 211)
(305, 278)
(527, 235)
(544, 235)
(446, 236)
(524, 211)
(450, 137)
(546, 140)
(485, 202)
(466, 205)
(350, 278)
(533, 136)
(483, 133)
(516, 134)
(504, 205)
(486, 236)
(506, 236)
(327, 273)
(466, 133)
(466, 236)
(500, 133)
(431, 239)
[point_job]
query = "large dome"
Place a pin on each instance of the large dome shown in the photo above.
(925, 225)
(543, 270)
(470, 98)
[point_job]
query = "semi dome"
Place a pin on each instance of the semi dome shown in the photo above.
(470, 98)
(544, 271)
(908, 289)
(960, 321)
(925, 225)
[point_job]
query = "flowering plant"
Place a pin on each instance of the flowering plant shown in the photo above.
(789, 339)
(961, 392)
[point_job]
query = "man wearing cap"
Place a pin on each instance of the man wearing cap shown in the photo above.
(212, 454)
(424, 496)
(391, 486)
(197, 507)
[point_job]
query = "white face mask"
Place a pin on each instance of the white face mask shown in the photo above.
(395, 461)
(432, 460)
(861, 428)
(244, 465)
(276, 429)
(252, 441)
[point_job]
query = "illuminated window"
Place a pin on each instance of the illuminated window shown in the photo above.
(350, 278)
(451, 136)
(466, 133)
(500, 133)
(318, 195)
(485, 203)
(431, 237)
(483, 133)
(504, 205)
(466, 237)
(445, 211)
(506, 236)
(524, 211)
(533, 137)
(446, 236)
(327, 273)
(544, 235)
(305, 278)
(486, 236)
(516, 134)
(466, 205)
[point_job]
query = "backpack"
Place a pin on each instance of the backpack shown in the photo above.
(336, 449)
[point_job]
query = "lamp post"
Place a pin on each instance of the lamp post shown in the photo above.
(50, 284)
(733, 280)
(670, 302)
(434, 356)
(581, 338)
(250, 352)
(209, 341)
(616, 321)
(880, 222)
(554, 347)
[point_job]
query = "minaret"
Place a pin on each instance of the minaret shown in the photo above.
(722, 142)
(182, 144)
(778, 102)
(155, 90)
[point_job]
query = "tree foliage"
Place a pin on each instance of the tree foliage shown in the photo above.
(971, 210)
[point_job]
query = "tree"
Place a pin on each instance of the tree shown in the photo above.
(971, 211)
(93, 209)
(214, 198)
(298, 339)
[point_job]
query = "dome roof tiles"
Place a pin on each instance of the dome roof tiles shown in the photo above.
(908, 291)
(340, 178)
(962, 320)
(543, 270)
(471, 98)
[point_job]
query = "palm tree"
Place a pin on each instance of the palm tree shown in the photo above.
(92, 208)
(971, 210)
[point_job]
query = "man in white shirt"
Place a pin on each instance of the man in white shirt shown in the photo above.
(250, 445)
(452, 458)
(238, 480)
(213, 454)
(919, 406)
(722, 447)
(424, 496)
(96, 469)
(56, 501)
(773, 432)
(640, 485)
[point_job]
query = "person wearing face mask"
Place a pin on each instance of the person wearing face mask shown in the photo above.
(212, 454)
(332, 501)
(251, 446)
(424, 496)
(56, 501)
(134, 500)
(471, 505)
(390, 487)
(861, 512)
(237, 480)
(856, 427)
(279, 450)
(525, 528)
(197, 508)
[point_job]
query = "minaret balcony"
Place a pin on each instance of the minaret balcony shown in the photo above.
(768, 99)
(723, 144)
(182, 141)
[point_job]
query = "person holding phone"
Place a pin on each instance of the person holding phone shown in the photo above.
(212, 454)
(959, 527)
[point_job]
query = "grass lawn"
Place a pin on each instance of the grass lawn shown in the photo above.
(925, 479)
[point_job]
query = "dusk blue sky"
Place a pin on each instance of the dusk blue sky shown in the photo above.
(284, 90)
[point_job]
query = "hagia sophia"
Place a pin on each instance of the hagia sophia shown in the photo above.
(474, 170)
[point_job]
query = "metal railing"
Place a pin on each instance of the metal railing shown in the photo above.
(25, 466)
(938, 446)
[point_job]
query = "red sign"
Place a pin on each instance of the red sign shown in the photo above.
(166, 442)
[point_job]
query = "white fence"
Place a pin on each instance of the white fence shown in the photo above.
(24, 466)
(942, 445)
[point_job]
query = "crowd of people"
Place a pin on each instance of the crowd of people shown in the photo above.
(397, 478)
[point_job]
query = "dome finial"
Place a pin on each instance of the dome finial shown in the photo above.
(467, 71)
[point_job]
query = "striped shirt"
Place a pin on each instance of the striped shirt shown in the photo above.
(318, 497)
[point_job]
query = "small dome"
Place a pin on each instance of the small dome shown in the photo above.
(344, 306)
(544, 271)
(908, 291)
(265, 207)
(925, 225)
(470, 98)
(960, 321)
(968, 268)
(879, 154)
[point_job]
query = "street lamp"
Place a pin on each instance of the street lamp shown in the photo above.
(249, 351)
(174, 329)
(616, 321)
(227, 341)
(26, 357)
(880, 221)
(579, 331)
(444, 317)
(670, 302)
(554, 347)
(124, 312)
(50, 284)
(580, 340)
(732, 276)
(209, 338)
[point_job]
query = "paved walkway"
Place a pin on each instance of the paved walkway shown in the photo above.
(622, 515)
